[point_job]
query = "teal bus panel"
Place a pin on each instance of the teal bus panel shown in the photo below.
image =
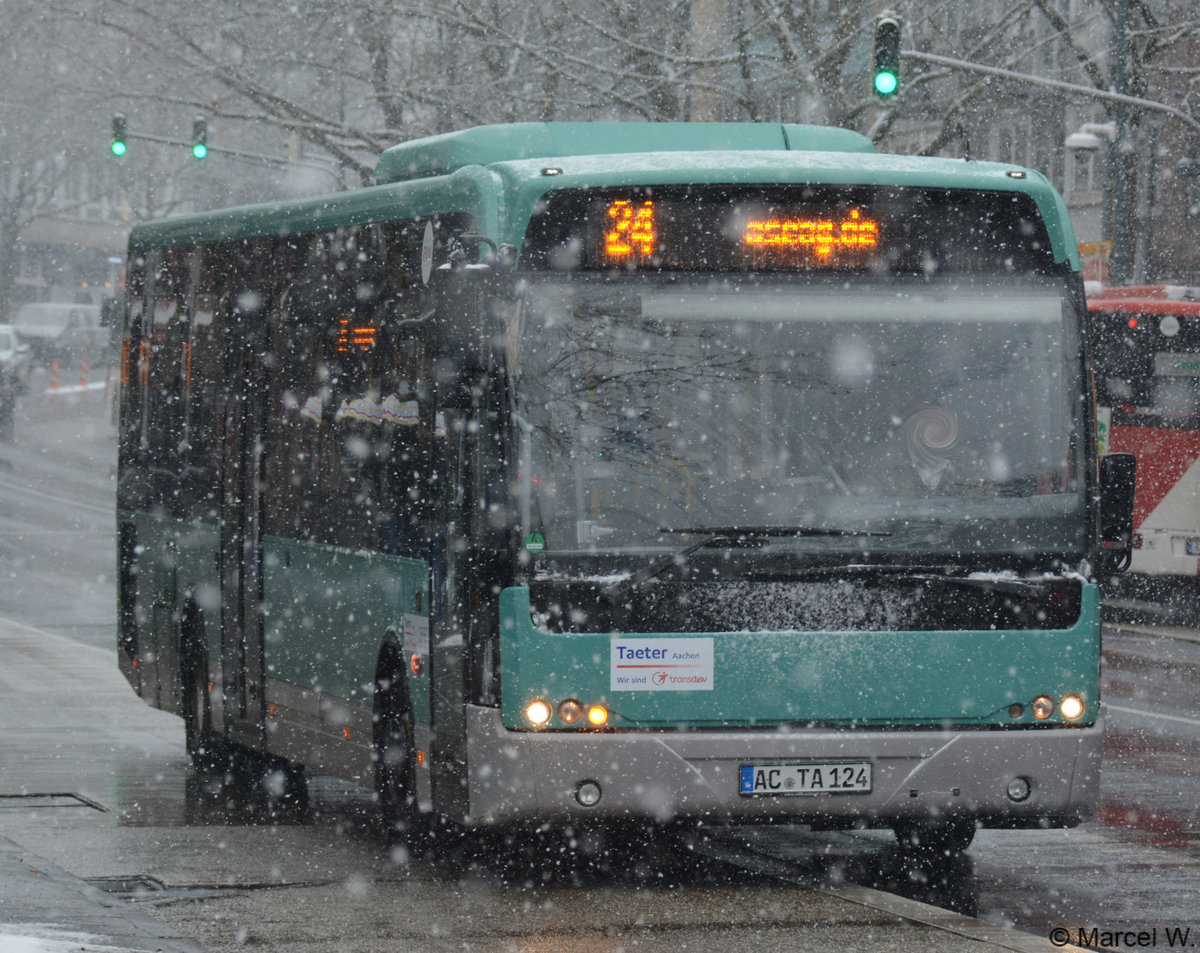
(327, 610)
(763, 679)
(177, 564)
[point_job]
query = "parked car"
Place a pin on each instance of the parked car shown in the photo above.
(15, 357)
(14, 376)
(65, 332)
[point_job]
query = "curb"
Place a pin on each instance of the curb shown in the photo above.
(44, 908)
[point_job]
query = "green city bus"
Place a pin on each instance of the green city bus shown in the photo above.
(709, 473)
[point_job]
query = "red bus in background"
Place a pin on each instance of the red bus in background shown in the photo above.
(1146, 356)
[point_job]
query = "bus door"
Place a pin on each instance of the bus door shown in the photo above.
(240, 551)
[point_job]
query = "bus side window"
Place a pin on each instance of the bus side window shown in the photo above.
(401, 360)
(161, 354)
(132, 397)
(299, 398)
(204, 355)
(314, 443)
(346, 435)
(403, 450)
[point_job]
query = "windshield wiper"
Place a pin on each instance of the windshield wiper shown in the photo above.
(732, 537)
(759, 532)
(909, 572)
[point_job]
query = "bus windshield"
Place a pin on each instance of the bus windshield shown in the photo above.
(904, 420)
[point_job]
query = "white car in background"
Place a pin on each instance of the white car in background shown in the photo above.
(65, 332)
(15, 358)
(14, 375)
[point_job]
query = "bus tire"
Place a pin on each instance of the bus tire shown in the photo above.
(935, 838)
(394, 755)
(284, 789)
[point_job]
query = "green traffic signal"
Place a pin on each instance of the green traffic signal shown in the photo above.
(887, 56)
(200, 137)
(118, 134)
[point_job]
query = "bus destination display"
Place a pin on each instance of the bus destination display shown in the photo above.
(790, 238)
(787, 228)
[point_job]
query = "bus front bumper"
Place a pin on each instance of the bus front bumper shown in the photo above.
(661, 776)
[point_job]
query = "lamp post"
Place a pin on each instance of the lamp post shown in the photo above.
(1120, 151)
(1188, 168)
(1091, 137)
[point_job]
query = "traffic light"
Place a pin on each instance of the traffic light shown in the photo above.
(118, 136)
(887, 56)
(200, 137)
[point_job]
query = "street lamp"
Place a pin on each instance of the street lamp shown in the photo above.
(1188, 169)
(1091, 137)
(1083, 140)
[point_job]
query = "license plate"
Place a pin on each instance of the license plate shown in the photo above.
(806, 777)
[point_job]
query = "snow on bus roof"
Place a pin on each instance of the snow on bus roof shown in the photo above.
(485, 145)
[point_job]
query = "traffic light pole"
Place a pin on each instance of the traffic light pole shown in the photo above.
(1086, 91)
(277, 162)
(1117, 204)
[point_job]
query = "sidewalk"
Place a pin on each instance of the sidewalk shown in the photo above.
(43, 909)
(67, 723)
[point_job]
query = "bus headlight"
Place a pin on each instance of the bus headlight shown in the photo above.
(538, 712)
(570, 711)
(1043, 707)
(1071, 707)
(597, 716)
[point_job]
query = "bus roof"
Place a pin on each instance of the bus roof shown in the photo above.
(485, 145)
(481, 170)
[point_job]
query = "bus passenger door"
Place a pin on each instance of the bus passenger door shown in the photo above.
(240, 544)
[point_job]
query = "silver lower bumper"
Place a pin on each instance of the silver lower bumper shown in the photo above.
(664, 776)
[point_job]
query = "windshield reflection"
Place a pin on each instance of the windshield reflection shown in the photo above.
(651, 408)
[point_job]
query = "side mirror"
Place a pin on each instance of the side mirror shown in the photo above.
(1117, 476)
